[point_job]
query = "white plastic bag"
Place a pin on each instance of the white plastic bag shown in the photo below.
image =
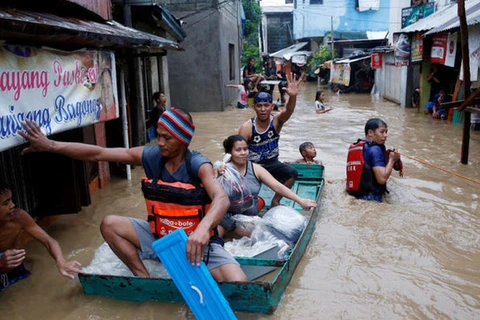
(285, 223)
(234, 184)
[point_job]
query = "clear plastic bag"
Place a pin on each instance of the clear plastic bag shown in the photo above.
(234, 184)
(284, 223)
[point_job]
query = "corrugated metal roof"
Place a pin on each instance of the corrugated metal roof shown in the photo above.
(351, 60)
(446, 18)
(51, 30)
(472, 14)
(433, 20)
(288, 52)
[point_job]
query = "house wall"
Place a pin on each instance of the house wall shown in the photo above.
(395, 21)
(101, 7)
(279, 31)
(198, 74)
(392, 79)
(315, 20)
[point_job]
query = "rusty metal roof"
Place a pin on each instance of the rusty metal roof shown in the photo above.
(445, 19)
(35, 28)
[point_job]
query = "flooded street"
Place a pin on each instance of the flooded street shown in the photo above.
(417, 256)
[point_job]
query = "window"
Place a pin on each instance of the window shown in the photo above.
(231, 61)
(316, 1)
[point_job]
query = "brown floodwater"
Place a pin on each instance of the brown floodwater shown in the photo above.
(417, 256)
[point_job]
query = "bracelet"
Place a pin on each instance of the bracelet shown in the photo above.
(52, 147)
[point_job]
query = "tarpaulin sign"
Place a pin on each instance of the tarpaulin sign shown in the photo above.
(402, 49)
(57, 89)
(340, 73)
(439, 48)
(417, 48)
(376, 61)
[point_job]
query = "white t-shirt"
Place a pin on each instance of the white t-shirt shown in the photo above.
(242, 95)
(319, 105)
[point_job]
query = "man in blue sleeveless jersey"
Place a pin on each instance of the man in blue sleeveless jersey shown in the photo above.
(262, 133)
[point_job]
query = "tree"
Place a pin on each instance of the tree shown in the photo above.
(253, 16)
(317, 59)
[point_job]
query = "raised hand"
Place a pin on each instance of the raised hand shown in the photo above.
(38, 141)
(293, 82)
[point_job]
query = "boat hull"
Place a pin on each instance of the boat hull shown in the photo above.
(252, 296)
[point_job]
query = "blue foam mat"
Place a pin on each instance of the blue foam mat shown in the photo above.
(196, 284)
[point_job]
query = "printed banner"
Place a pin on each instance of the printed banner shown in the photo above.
(451, 49)
(376, 61)
(57, 89)
(412, 14)
(402, 49)
(474, 48)
(417, 48)
(439, 48)
(340, 73)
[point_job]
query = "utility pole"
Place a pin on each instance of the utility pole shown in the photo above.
(466, 79)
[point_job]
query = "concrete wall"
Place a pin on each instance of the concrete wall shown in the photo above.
(315, 20)
(395, 22)
(197, 75)
(279, 31)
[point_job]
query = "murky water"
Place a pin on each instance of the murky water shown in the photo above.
(416, 256)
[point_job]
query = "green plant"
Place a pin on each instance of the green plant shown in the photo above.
(323, 54)
(251, 51)
(253, 14)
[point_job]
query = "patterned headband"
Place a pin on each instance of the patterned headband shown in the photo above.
(177, 125)
(262, 97)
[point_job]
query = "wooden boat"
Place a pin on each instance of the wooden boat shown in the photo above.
(262, 294)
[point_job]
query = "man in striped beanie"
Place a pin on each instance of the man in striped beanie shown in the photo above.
(170, 161)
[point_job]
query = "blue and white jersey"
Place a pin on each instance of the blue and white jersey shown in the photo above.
(263, 146)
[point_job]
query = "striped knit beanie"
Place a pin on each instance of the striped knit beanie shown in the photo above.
(177, 125)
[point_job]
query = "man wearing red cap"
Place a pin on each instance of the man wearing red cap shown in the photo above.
(171, 161)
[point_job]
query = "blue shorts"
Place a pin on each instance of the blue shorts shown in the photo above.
(217, 255)
(241, 105)
(371, 197)
(429, 107)
(279, 170)
(13, 276)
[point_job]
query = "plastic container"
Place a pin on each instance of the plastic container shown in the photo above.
(284, 249)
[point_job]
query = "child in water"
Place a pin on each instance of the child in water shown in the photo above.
(308, 152)
(242, 92)
(13, 222)
(319, 107)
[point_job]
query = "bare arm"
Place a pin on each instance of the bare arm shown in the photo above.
(246, 130)
(66, 268)
(383, 173)
(292, 91)
(81, 151)
(264, 176)
(323, 111)
(231, 86)
(200, 237)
